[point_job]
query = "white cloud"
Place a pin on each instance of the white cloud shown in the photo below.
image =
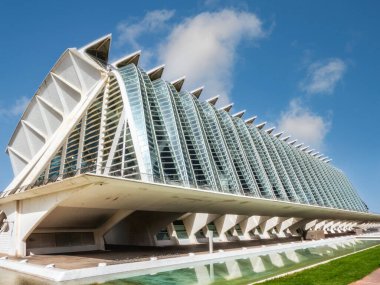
(322, 76)
(303, 125)
(16, 109)
(204, 48)
(152, 21)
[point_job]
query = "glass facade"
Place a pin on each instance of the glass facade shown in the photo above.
(142, 127)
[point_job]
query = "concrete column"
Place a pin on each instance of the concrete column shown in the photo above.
(225, 223)
(310, 224)
(299, 225)
(250, 223)
(30, 213)
(327, 226)
(336, 226)
(284, 225)
(111, 222)
(195, 222)
(320, 225)
(268, 225)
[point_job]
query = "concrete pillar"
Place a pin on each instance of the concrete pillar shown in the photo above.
(327, 226)
(195, 222)
(250, 223)
(30, 213)
(336, 227)
(310, 224)
(108, 225)
(225, 223)
(299, 225)
(284, 225)
(268, 225)
(320, 225)
(141, 227)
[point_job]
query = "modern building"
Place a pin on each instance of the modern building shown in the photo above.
(107, 153)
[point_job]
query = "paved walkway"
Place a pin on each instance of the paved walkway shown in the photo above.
(371, 279)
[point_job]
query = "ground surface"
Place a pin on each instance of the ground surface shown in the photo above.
(125, 254)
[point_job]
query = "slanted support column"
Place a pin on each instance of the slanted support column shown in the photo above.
(225, 223)
(334, 228)
(299, 225)
(310, 224)
(195, 222)
(250, 223)
(269, 225)
(30, 213)
(111, 222)
(351, 226)
(342, 227)
(327, 226)
(319, 225)
(284, 225)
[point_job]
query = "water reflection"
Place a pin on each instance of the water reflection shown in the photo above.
(250, 268)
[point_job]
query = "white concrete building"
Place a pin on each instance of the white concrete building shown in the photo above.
(106, 153)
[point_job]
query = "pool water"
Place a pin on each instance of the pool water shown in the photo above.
(250, 268)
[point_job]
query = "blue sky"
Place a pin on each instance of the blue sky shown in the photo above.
(311, 68)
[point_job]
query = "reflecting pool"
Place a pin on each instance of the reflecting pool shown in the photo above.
(251, 268)
(242, 270)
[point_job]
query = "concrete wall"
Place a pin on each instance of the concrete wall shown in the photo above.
(140, 228)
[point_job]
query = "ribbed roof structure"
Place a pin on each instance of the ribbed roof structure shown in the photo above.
(89, 116)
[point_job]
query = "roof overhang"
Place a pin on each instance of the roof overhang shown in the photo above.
(213, 100)
(227, 108)
(156, 73)
(99, 48)
(260, 126)
(95, 191)
(178, 83)
(197, 92)
(128, 59)
(239, 114)
(250, 120)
